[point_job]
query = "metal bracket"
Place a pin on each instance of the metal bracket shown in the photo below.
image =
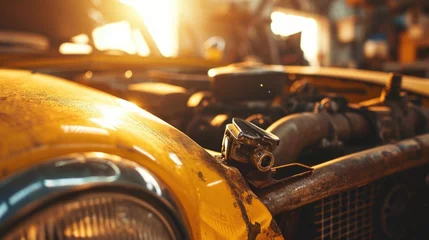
(279, 174)
(250, 148)
(246, 143)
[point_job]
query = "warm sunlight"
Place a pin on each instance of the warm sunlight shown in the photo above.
(160, 18)
(75, 48)
(120, 36)
(287, 24)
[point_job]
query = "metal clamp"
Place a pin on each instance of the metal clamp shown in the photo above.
(246, 143)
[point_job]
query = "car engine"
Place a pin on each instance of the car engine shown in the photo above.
(293, 128)
(314, 125)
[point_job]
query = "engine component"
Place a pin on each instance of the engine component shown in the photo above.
(303, 88)
(248, 81)
(157, 97)
(200, 99)
(331, 105)
(389, 118)
(392, 91)
(393, 116)
(249, 149)
(206, 129)
(299, 131)
(313, 127)
(195, 82)
(210, 117)
(246, 143)
(260, 120)
(302, 97)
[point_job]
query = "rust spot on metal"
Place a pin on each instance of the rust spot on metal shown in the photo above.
(254, 231)
(272, 232)
(239, 190)
(249, 199)
(201, 176)
(347, 172)
(298, 201)
(274, 227)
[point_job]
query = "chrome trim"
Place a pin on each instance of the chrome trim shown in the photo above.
(74, 173)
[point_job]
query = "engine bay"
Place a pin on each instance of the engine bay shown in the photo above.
(314, 125)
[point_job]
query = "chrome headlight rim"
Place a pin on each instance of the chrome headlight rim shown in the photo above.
(111, 173)
(156, 207)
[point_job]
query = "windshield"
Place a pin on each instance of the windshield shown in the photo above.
(88, 26)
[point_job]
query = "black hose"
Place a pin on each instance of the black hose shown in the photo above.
(298, 131)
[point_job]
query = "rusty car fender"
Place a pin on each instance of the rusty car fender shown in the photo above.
(43, 117)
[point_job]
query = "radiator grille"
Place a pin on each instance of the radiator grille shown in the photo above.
(395, 207)
(347, 215)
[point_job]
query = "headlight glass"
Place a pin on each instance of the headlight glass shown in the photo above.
(96, 216)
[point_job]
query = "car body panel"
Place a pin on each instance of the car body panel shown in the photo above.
(44, 117)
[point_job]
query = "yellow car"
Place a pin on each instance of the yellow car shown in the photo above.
(244, 151)
(76, 163)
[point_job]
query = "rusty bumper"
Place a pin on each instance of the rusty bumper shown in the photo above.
(348, 172)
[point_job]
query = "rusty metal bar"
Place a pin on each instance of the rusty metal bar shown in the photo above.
(348, 172)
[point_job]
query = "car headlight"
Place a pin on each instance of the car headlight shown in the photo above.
(88, 196)
(96, 216)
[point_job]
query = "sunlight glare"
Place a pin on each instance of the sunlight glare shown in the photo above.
(287, 24)
(114, 36)
(75, 48)
(111, 117)
(81, 39)
(160, 19)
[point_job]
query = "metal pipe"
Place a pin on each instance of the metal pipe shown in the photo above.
(347, 172)
(298, 131)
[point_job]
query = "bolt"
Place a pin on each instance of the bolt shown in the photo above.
(393, 87)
